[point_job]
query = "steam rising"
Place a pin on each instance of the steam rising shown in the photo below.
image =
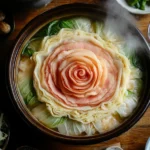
(121, 24)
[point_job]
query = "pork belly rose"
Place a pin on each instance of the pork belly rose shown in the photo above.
(75, 73)
(83, 81)
(76, 76)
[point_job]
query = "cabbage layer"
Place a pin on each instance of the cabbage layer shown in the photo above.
(78, 75)
(83, 83)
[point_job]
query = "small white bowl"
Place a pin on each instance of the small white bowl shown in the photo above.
(147, 147)
(133, 10)
(114, 148)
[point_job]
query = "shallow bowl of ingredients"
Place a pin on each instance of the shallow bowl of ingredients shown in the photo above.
(4, 131)
(135, 7)
(80, 77)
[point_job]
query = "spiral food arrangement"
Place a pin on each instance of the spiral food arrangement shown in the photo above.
(79, 82)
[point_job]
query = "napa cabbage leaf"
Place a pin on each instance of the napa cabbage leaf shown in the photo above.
(43, 115)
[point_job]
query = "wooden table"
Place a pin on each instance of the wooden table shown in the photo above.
(135, 138)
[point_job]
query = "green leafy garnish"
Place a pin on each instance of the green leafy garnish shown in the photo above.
(32, 46)
(53, 28)
(28, 52)
(129, 93)
(136, 62)
(140, 4)
(132, 2)
(133, 56)
(42, 32)
(139, 85)
(67, 24)
(57, 25)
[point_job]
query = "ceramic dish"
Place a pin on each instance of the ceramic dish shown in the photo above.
(5, 131)
(96, 13)
(9, 19)
(133, 10)
(147, 146)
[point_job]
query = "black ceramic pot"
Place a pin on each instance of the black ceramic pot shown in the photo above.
(17, 5)
(94, 12)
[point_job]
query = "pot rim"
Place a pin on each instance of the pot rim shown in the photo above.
(12, 88)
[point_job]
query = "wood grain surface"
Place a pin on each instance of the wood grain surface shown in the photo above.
(135, 138)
